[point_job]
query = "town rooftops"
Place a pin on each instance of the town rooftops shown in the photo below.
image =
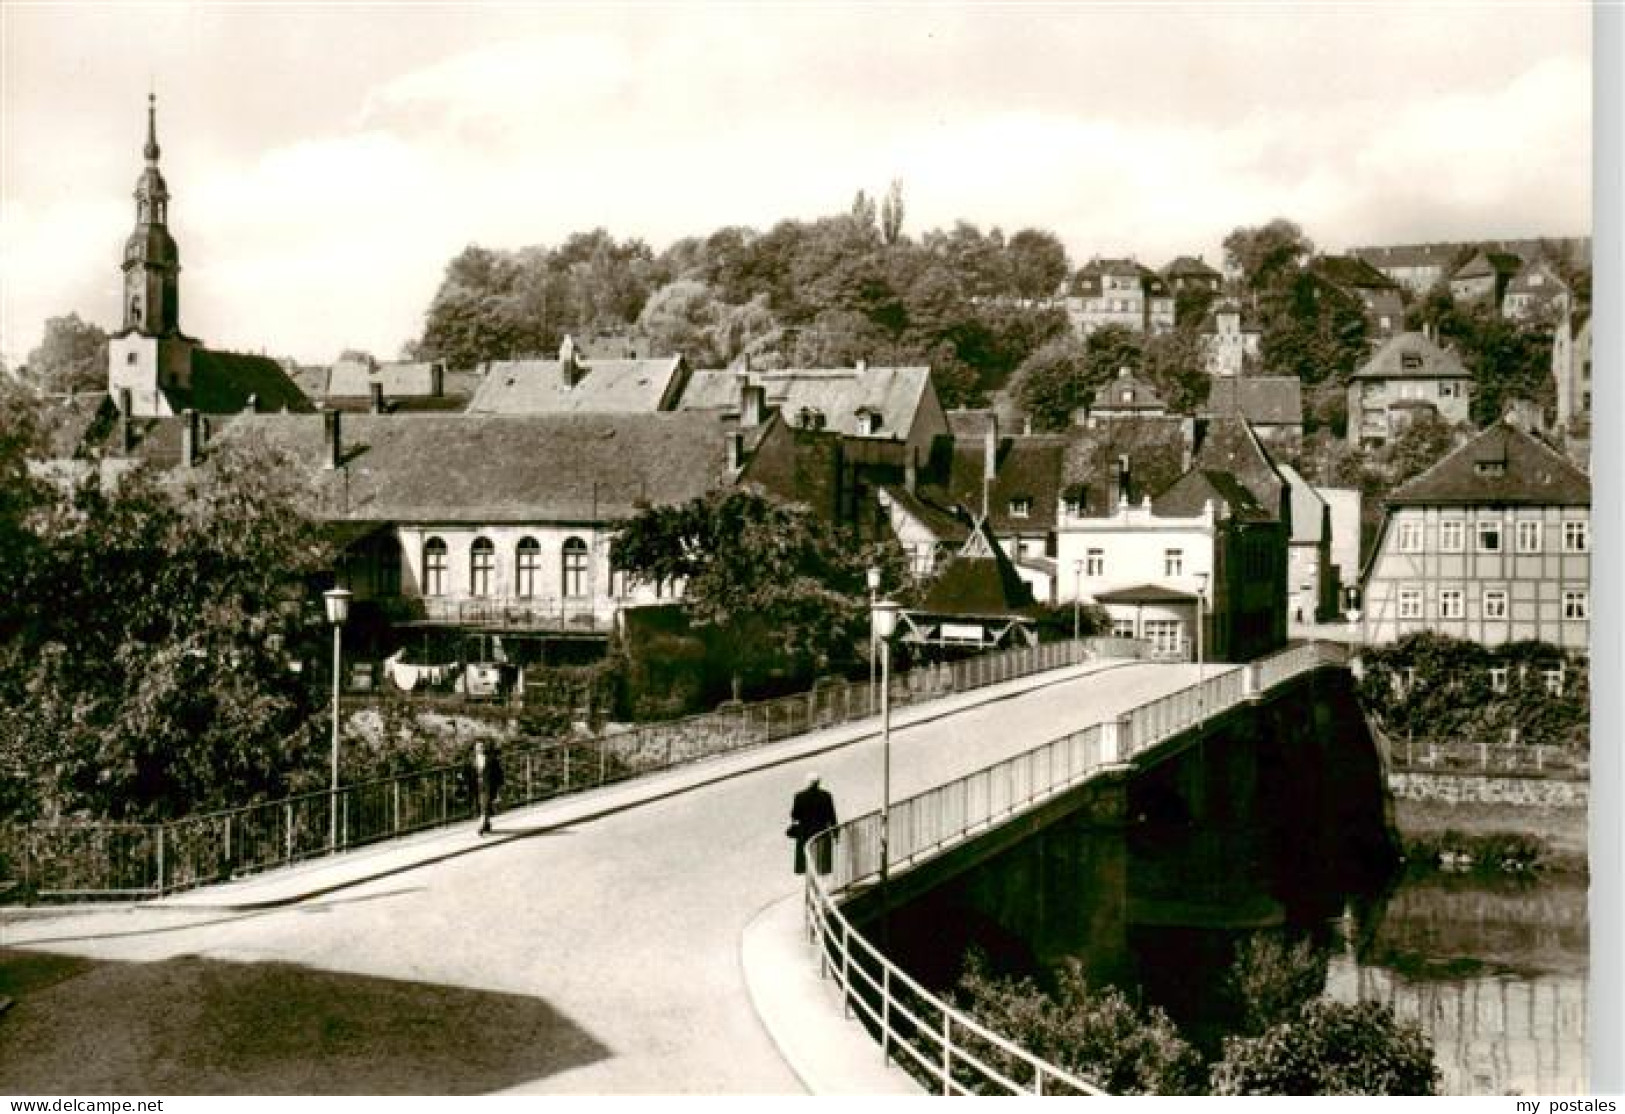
(1503, 466)
(1412, 356)
(859, 401)
(574, 385)
(1259, 399)
(1409, 255)
(494, 468)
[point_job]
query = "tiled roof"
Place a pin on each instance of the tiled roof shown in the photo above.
(1408, 255)
(963, 424)
(1231, 464)
(1501, 466)
(1126, 392)
(1145, 593)
(1260, 399)
(1486, 263)
(986, 586)
(496, 468)
(1155, 447)
(1196, 488)
(894, 393)
(941, 521)
(1308, 508)
(223, 382)
(1389, 361)
(1350, 271)
(1027, 467)
(606, 387)
(354, 379)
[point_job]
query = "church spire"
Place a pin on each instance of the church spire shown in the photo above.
(151, 150)
(152, 262)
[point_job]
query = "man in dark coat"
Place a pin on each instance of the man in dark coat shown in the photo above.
(812, 812)
(485, 781)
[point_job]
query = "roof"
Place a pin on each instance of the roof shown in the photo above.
(1308, 508)
(1389, 362)
(1155, 447)
(1145, 593)
(1552, 283)
(1126, 392)
(1089, 275)
(1259, 399)
(941, 521)
(1185, 265)
(494, 468)
(1198, 487)
(412, 379)
(224, 382)
(978, 581)
(1350, 271)
(1232, 468)
(964, 423)
(1408, 255)
(1501, 466)
(839, 394)
(605, 387)
(1027, 466)
(1486, 263)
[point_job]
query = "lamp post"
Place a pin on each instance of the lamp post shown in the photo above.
(338, 610)
(1201, 621)
(882, 624)
(873, 577)
(1077, 596)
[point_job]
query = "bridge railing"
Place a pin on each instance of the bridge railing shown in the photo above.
(97, 861)
(944, 1045)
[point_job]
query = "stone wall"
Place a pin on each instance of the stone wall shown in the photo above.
(1475, 789)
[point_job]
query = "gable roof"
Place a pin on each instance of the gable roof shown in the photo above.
(604, 387)
(400, 379)
(895, 394)
(1408, 255)
(945, 525)
(979, 581)
(1259, 399)
(1154, 444)
(1027, 466)
(1350, 271)
(1550, 286)
(1126, 392)
(1308, 508)
(1388, 361)
(1521, 470)
(223, 383)
(1486, 263)
(1232, 468)
(495, 468)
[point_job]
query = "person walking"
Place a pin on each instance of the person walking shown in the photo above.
(811, 813)
(485, 781)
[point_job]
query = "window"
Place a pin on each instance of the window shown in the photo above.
(1411, 361)
(1576, 605)
(1095, 563)
(387, 572)
(1498, 678)
(1528, 537)
(1452, 535)
(1173, 562)
(129, 357)
(1122, 628)
(1021, 508)
(528, 565)
(482, 560)
(1450, 603)
(1489, 537)
(1495, 603)
(434, 567)
(1410, 537)
(575, 568)
(1164, 636)
(1576, 537)
(1410, 603)
(1552, 675)
(1449, 390)
(1490, 467)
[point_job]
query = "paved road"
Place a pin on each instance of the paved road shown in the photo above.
(597, 958)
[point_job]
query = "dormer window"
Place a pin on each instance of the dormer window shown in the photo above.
(868, 423)
(1410, 361)
(809, 418)
(1490, 467)
(1021, 508)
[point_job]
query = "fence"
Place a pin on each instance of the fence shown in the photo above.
(1464, 756)
(85, 861)
(952, 1051)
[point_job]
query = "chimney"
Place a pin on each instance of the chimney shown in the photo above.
(126, 430)
(752, 401)
(1124, 477)
(335, 454)
(736, 452)
(569, 366)
(437, 380)
(189, 438)
(377, 397)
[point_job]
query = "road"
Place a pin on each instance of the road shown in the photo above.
(597, 958)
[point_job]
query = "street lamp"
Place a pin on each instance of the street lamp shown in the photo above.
(338, 610)
(1201, 621)
(873, 577)
(882, 625)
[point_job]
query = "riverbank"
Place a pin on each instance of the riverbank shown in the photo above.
(1562, 831)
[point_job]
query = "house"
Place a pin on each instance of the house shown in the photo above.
(1271, 404)
(1193, 275)
(1485, 277)
(1416, 267)
(1571, 368)
(458, 525)
(1536, 293)
(1343, 507)
(1491, 544)
(1311, 584)
(1127, 396)
(154, 369)
(1375, 293)
(573, 384)
(1215, 538)
(1409, 372)
(1119, 292)
(1230, 339)
(977, 602)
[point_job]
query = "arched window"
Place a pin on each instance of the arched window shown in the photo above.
(482, 563)
(529, 565)
(434, 567)
(387, 576)
(575, 568)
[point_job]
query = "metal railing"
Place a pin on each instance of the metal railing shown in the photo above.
(90, 861)
(912, 1024)
(1464, 756)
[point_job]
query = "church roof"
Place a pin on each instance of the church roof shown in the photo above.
(223, 383)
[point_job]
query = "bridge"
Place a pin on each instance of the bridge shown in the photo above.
(643, 937)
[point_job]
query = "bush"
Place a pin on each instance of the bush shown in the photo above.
(1096, 1035)
(1272, 979)
(1330, 1048)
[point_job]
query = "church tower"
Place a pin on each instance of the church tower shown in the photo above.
(150, 356)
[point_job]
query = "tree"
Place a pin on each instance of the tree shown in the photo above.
(891, 214)
(1175, 363)
(1330, 1048)
(143, 655)
(1266, 254)
(1037, 263)
(1053, 383)
(773, 582)
(71, 357)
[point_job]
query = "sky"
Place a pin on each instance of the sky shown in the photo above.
(326, 161)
